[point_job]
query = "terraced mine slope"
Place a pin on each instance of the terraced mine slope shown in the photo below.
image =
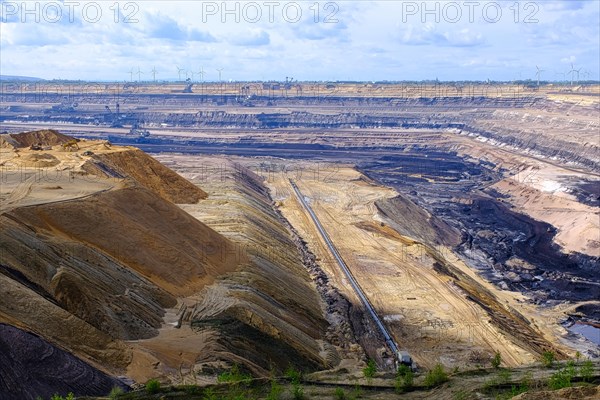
(96, 257)
(467, 215)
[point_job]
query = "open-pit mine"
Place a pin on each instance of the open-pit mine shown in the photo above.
(184, 234)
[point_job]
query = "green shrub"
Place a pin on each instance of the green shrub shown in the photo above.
(586, 371)
(517, 390)
(403, 370)
(571, 368)
(404, 379)
(548, 359)
(370, 369)
(115, 392)
(293, 375)
(297, 392)
(233, 376)
(56, 396)
(560, 379)
(357, 391)
(275, 392)
(504, 375)
(209, 394)
(152, 386)
(340, 394)
(404, 382)
(436, 376)
(190, 389)
(461, 395)
(496, 360)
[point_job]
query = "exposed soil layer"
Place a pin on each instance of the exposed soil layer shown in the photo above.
(492, 232)
(46, 369)
(267, 314)
(149, 173)
(492, 235)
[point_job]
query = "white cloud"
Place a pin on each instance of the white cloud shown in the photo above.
(251, 38)
(371, 40)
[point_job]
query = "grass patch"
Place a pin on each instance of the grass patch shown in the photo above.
(436, 376)
(370, 370)
(234, 375)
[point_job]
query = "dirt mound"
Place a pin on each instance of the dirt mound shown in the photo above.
(148, 172)
(575, 393)
(55, 372)
(153, 237)
(45, 137)
(42, 160)
(7, 142)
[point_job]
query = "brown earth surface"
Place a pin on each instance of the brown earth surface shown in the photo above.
(424, 292)
(98, 263)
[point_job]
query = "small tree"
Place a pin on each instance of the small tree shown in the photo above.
(560, 379)
(586, 370)
(548, 359)
(496, 360)
(293, 375)
(152, 386)
(404, 379)
(370, 369)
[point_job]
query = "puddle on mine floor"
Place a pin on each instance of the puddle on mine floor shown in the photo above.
(588, 331)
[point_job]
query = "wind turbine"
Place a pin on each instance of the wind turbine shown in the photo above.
(139, 73)
(221, 82)
(131, 74)
(154, 74)
(572, 72)
(201, 73)
(179, 71)
(538, 73)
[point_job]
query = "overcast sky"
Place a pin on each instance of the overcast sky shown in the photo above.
(307, 40)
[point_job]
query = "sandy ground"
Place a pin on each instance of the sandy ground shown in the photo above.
(543, 195)
(426, 313)
(544, 191)
(30, 177)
